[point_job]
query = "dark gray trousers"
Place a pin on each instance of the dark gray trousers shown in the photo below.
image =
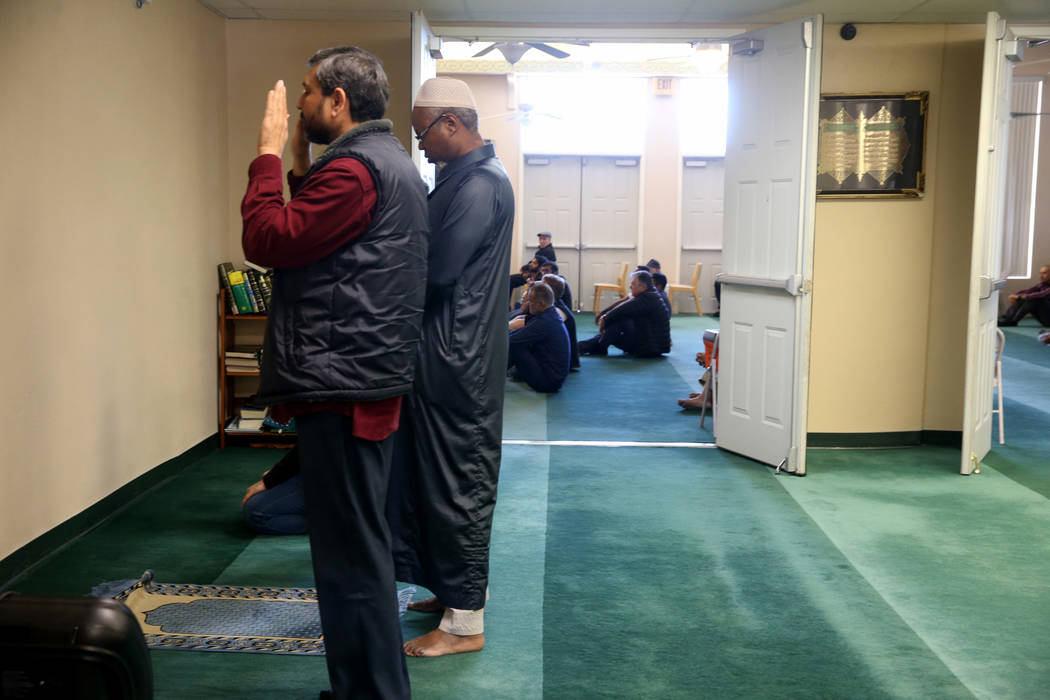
(345, 481)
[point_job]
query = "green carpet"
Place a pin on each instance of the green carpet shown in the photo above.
(669, 572)
(692, 575)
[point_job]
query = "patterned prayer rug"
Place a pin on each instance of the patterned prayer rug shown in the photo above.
(255, 619)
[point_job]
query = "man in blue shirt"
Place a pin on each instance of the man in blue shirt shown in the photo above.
(539, 351)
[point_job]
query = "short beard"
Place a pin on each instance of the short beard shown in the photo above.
(315, 134)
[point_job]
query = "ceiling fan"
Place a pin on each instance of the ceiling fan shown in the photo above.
(514, 50)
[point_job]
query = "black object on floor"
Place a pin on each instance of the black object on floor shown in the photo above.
(62, 648)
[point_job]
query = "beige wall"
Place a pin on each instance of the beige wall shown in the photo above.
(890, 275)
(262, 52)
(662, 173)
(113, 191)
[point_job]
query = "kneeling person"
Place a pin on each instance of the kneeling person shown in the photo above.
(539, 351)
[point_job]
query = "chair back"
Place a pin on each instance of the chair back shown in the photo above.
(622, 279)
(696, 275)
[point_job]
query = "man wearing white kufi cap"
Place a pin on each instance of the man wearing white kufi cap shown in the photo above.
(451, 427)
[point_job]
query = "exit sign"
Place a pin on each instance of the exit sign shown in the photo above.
(663, 86)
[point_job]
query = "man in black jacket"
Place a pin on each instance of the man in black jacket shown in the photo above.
(638, 325)
(545, 249)
(559, 286)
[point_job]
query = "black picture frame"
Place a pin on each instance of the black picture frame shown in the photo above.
(872, 145)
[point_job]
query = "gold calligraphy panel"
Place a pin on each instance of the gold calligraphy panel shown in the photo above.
(871, 145)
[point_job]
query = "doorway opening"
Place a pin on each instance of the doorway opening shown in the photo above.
(615, 149)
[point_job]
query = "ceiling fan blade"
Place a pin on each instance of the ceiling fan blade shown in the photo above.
(485, 50)
(546, 48)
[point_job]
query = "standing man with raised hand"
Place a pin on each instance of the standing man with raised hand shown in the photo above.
(342, 338)
(453, 423)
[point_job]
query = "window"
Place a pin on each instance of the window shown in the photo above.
(582, 114)
(703, 119)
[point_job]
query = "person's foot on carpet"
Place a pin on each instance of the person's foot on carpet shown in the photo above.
(441, 643)
(1006, 322)
(427, 605)
(692, 402)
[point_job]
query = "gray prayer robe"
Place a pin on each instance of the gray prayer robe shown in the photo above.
(448, 449)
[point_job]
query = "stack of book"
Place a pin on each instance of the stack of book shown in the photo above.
(249, 419)
(243, 358)
(248, 291)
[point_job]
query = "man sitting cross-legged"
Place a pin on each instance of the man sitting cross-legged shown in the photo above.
(1035, 300)
(638, 324)
(539, 351)
(559, 286)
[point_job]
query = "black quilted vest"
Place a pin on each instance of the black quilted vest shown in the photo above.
(346, 328)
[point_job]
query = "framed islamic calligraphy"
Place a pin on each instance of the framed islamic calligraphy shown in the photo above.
(871, 145)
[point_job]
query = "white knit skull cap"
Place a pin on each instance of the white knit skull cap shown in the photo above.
(445, 92)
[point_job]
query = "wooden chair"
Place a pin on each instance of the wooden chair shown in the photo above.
(620, 287)
(692, 288)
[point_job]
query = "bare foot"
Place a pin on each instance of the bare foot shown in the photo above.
(694, 403)
(441, 643)
(427, 605)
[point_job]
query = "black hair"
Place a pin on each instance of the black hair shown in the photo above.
(361, 76)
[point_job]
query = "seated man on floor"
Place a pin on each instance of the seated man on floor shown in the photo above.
(638, 324)
(273, 505)
(1034, 300)
(558, 285)
(539, 351)
(660, 283)
(551, 268)
(516, 317)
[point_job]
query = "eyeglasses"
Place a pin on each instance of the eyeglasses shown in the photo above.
(423, 134)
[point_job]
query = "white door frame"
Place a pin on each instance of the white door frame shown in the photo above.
(424, 67)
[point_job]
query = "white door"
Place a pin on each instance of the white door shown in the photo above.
(424, 67)
(703, 204)
(551, 195)
(1000, 50)
(770, 196)
(608, 220)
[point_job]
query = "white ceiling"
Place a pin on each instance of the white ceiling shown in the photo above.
(632, 12)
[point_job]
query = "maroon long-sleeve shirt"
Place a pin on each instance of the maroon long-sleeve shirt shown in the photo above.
(1037, 291)
(325, 213)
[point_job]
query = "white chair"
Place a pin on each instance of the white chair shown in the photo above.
(998, 380)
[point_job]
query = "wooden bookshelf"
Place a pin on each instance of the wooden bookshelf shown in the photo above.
(235, 386)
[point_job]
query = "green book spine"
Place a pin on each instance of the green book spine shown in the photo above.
(244, 306)
(224, 279)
